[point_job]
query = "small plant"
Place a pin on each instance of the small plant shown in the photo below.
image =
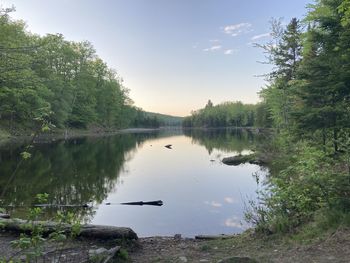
(31, 244)
(205, 248)
(123, 254)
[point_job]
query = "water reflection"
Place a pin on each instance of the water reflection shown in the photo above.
(225, 140)
(72, 172)
(200, 195)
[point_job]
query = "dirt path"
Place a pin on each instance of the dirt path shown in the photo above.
(244, 248)
(334, 247)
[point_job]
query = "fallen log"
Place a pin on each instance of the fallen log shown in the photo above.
(86, 231)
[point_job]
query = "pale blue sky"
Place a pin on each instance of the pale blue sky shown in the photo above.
(173, 55)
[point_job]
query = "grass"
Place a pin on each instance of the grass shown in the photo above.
(326, 228)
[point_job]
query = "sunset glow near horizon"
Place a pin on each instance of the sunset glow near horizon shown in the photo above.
(173, 55)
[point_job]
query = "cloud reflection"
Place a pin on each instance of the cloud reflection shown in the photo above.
(213, 204)
(235, 222)
(230, 200)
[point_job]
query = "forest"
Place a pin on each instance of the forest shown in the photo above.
(48, 79)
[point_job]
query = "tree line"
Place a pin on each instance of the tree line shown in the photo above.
(229, 114)
(65, 83)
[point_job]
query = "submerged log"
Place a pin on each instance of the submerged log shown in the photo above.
(86, 231)
(155, 203)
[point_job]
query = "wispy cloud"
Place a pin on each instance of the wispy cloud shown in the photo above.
(229, 51)
(237, 29)
(212, 48)
(260, 36)
(215, 40)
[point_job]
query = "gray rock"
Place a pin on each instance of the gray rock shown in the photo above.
(177, 237)
(98, 251)
(98, 255)
(183, 259)
(6, 216)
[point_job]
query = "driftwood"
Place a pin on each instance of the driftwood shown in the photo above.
(86, 231)
(213, 237)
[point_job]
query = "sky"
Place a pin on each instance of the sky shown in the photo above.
(173, 55)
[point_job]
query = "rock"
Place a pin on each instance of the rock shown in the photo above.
(203, 260)
(237, 160)
(168, 146)
(97, 252)
(103, 255)
(177, 237)
(183, 259)
(6, 216)
(242, 159)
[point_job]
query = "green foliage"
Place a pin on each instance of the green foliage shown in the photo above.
(308, 99)
(306, 181)
(26, 155)
(62, 82)
(32, 244)
(165, 120)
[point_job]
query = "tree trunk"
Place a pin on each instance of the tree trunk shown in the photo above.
(335, 140)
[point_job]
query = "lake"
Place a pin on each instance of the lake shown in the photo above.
(201, 195)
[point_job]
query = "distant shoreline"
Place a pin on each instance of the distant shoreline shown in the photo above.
(62, 134)
(67, 134)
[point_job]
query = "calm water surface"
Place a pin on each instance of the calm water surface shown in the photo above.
(200, 194)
